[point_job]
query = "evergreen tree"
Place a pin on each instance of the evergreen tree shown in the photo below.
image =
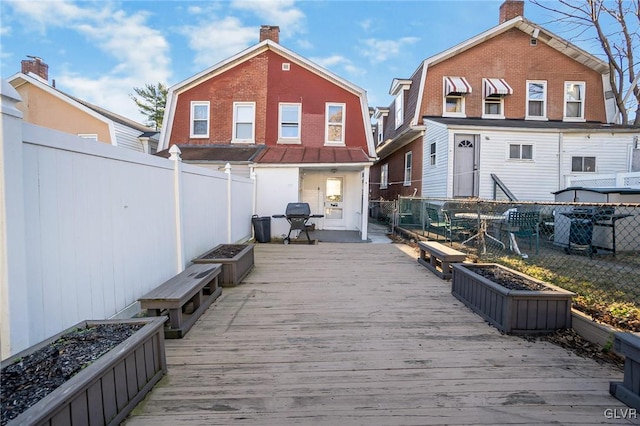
(151, 100)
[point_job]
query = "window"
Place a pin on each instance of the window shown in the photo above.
(520, 152)
(455, 89)
(493, 107)
(536, 100)
(335, 124)
(399, 109)
(199, 119)
(380, 130)
(583, 164)
(243, 121)
(495, 89)
(90, 136)
(432, 154)
(384, 176)
(407, 168)
(454, 105)
(289, 127)
(574, 101)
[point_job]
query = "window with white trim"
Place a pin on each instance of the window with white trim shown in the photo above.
(432, 153)
(574, 100)
(493, 106)
(399, 109)
(454, 104)
(583, 164)
(244, 117)
(289, 123)
(407, 168)
(90, 136)
(520, 151)
(380, 130)
(199, 119)
(536, 100)
(334, 129)
(384, 176)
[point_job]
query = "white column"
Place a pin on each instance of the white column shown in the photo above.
(227, 170)
(365, 203)
(177, 191)
(14, 307)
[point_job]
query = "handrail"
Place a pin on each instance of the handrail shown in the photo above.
(503, 187)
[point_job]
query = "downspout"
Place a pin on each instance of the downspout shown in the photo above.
(365, 203)
(560, 159)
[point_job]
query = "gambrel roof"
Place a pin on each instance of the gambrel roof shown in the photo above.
(251, 52)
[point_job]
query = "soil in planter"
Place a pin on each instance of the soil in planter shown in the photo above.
(226, 251)
(33, 377)
(507, 279)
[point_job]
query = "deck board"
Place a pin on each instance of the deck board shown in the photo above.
(350, 334)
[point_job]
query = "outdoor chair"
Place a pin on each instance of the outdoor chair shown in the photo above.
(524, 225)
(434, 221)
(459, 228)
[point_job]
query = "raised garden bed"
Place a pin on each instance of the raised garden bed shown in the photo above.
(511, 301)
(84, 384)
(236, 259)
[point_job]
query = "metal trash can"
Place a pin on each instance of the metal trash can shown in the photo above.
(261, 228)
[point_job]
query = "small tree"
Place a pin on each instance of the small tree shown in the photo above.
(616, 30)
(151, 101)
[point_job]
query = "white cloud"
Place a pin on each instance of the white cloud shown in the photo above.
(218, 40)
(382, 50)
(335, 62)
(141, 53)
(282, 13)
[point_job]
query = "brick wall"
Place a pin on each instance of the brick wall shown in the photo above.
(510, 56)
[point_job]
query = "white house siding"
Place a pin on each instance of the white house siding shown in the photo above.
(612, 152)
(126, 137)
(435, 182)
(528, 180)
(275, 187)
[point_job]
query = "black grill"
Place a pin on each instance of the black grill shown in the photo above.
(298, 214)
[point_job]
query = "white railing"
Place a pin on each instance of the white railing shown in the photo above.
(611, 180)
(87, 228)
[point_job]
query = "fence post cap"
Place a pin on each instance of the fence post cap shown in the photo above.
(175, 153)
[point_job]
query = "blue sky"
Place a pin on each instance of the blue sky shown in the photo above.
(100, 50)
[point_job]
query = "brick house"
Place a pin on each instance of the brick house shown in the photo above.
(301, 131)
(515, 104)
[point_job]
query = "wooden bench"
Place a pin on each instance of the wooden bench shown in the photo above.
(198, 284)
(438, 258)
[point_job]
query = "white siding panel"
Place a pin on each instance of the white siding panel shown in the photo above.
(528, 180)
(126, 137)
(611, 152)
(435, 181)
(275, 188)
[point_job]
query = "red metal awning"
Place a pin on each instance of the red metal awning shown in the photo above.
(456, 85)
(307, 155)
(496, 87)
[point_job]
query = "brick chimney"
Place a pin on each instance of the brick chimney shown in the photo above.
(36, 66)
(510, 9)
(270, 32)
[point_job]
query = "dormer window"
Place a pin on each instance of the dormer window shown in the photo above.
(398, 87)
(455, 90)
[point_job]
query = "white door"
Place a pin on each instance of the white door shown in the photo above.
(465, 166)
(334, 202)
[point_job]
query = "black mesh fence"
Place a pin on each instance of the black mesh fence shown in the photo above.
(592, 249)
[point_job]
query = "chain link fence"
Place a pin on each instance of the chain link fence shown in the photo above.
(592, 249)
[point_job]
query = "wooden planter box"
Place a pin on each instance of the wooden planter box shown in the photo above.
(628, 391)
(235, 268)
(106, 391)
(512, 311)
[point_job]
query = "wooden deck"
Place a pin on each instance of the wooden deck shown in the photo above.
(361, 334)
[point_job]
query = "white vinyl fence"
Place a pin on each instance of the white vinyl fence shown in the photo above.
(87, 228)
